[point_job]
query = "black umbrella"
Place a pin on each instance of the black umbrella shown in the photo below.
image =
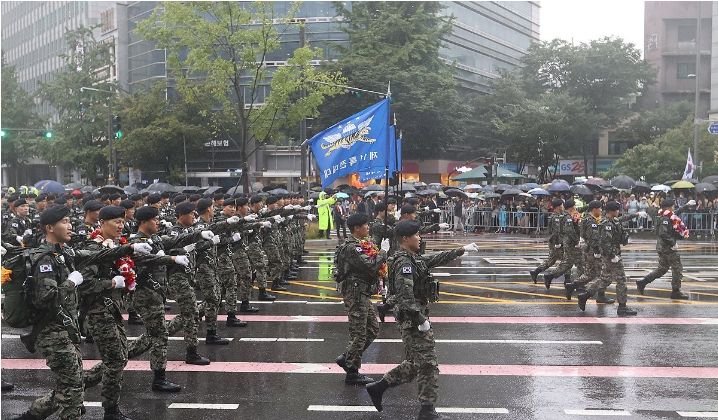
(343, 187)
(704, 186)
(161, 187)
(581, 190)
(188, 189)
(713, 179)
(234, 190)
(372, 187)
(314, 195)
(609, 189)
(524, 187)
(213, 190)
(316, 189)
(131, 190)
(74, 186)
(454, 192)
(492, 195)
(278, 191)
(623, 182)
(111, 189)
(511, 191)
(406, 187)
(641, 187)
(88, 188)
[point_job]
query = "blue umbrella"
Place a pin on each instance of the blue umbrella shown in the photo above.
(49, 186)
(539, 191)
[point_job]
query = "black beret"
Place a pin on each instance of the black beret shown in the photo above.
(569, 203)
(219, 196)
(11, 198)
(668, 202)
(229, 202)
(165, 195)
(32, 195)
(92, 205)
(146, 213)
(153, 198)
(413, 201)
(226, 196)
(184, 208)
(19, 202)
(595, 204)
(255, 199)
(195, 197)
(357, 219)
(61, 200)
(380, 207)
(272, 200)
(41, 197)
(104, 197)
(145, 194)
(613, 206)
(242, 201)
(135, 197)
(23, 196)
(111, 212)
(556, 202)
(180, 198)
(391, 201)
(114, 197)
(53, 214)
(203, 205)
(406, 228)
(408, 209)
(127, 204)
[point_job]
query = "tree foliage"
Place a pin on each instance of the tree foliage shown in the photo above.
(653, 123)
(222, 49)
(398, 43)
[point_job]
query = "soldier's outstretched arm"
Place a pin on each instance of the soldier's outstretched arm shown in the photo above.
(443, 257)
(84, 257)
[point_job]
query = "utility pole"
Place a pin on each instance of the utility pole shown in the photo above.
(304, 179)
(110, 135)
(696, 120)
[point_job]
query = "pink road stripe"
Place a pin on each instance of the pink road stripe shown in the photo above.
(375, 369)
(489, 320)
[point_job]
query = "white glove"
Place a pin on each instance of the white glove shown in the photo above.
(311, 217)
(236, 237)
(18, 239)
(311, 200)
(250, 218)
(437, 210)
(232, 220)
(28, 232)
(282, 219)
(691, 203)
(615, 259)
(3, 251)
(266, 224)
(119, 282)
(182, 260)
(76, 278)
(189, 248)
(277, 217)
(207, 234)
(557, 246)
(307, 208)
(133, 236)
(160, 253)
(141, 248)
(290, 217)
(425, 209)
(642, 214)
(597, 256)
(166, 223)
(675, 247)
(385, 245)
(133, 287)
(471, 247)
(425, 326)
(581, 242)
(444, 226)
(215, 239)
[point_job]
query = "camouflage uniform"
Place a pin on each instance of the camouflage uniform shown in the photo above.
(667, 256)
(612, 233)
(570, 237)
(207, 280)
(591, 233)
(555, 225)
(257, 256)
(360, 282)
(270, 244)
(409, 283)
(379, 231)
(16, 227)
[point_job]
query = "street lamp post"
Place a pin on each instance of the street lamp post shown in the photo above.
(696, 117)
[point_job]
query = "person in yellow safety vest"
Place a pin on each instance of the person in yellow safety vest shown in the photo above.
(324, 204)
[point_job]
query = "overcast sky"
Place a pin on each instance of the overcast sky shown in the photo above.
(586, 20)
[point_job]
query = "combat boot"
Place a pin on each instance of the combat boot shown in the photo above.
(233, 321)
(601, 298)
(263, 295)
(294, 268)
(429, 413)
(7, 386)
(278, 287)
(214, 339)
(25, 416)
(134, 319)
(245, 307)
(301, 261)
(676, 294)
(534, 275)
(641, 285)
(341, 361)
(382, 309)
(161, 384)
(625, 310)
(582, 298)
(194, 358)
(114, 413)
(355, 378)
(376, 392)
(290, 275)
(570, 287)
(167, 307)
(547, 277)
(305, 252)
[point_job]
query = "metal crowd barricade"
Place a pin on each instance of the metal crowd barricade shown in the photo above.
(484, 219)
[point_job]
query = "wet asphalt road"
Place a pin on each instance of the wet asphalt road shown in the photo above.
(508, 349)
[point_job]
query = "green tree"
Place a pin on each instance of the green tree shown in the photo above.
(18, 146)
(398, 43)
(222, 49)
(81, 138)
(653, 123)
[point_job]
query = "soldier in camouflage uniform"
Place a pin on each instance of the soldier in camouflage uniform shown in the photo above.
(667, 248)
(591, 234)
(271, 243)
(411, 288)
(570, 238)
(256, 254)
(240, 258)
(555, 227)
(225, 266)
(358, 277)
(613, 235)
(20, 225)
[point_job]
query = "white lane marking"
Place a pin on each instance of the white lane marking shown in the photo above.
(325, 303)
(10, 336)
(92, 403)
(303, 318)
(365, 408)
(340, 408)
(175, 338)
(282, 340)
(293, 301)
(396, 340)
(597, 412)
(253, 302)
(205, 406)
(694, 414)
(475, 410)
(308, 368)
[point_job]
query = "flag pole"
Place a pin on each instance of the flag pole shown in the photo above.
(388, 150)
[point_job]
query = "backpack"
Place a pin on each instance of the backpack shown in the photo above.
(17, 285)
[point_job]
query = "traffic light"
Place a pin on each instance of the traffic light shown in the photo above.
(44, 133)
(3, 133)
(489, 163)
(116, 126)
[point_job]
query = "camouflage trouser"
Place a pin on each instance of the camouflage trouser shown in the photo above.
(64, 358)
(151, 307)
(553, 255)
(363, 326)
(188, 317)
(243, 271)
(276, 264)
(611, 271)
(286, 251)
(668, 259)
(258, 258)
(421, 360)
(591, 269)
(209, 285)
(111, 341)
(571, 256)
(227, 282)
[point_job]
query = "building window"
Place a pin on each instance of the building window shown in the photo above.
(686, 34)
(685, 70)
(616, 145)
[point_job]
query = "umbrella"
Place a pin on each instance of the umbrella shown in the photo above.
(532, 185)
(559, 186)
(596, 181)
(314, 195)
(213, 190)
(560, 181)
(161, 187)
(454, 192)
(488, 188)
(49, 186)
(623, 182)
(609, 189)
(342, 195)
(373, 187)
(419, 184)
(74, 186)
(187, 189)
(661, 187)
(111, 189)
(539, 191)
(471, 187)
(88, 188)
(641, 187)
(581, 190)
(511, 191)
(368, 193)
(278, 191)
(503, 187)
(343, 187)
(523, 194)
(704, 186)
(130, 190)
(235, 190)
(316, 189)
(492, 195)
(351, 191)
(682, 185)
(713, 179)
(406, 187)
(435, 185)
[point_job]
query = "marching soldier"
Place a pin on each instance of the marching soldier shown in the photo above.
(555, 226)
(591, 234)
(570, 238)
(256, 254)
(225, 267)
(20, 225)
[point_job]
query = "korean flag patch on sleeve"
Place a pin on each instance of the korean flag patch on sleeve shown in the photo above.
(406, 270)
(46, 268)
(665, 222)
